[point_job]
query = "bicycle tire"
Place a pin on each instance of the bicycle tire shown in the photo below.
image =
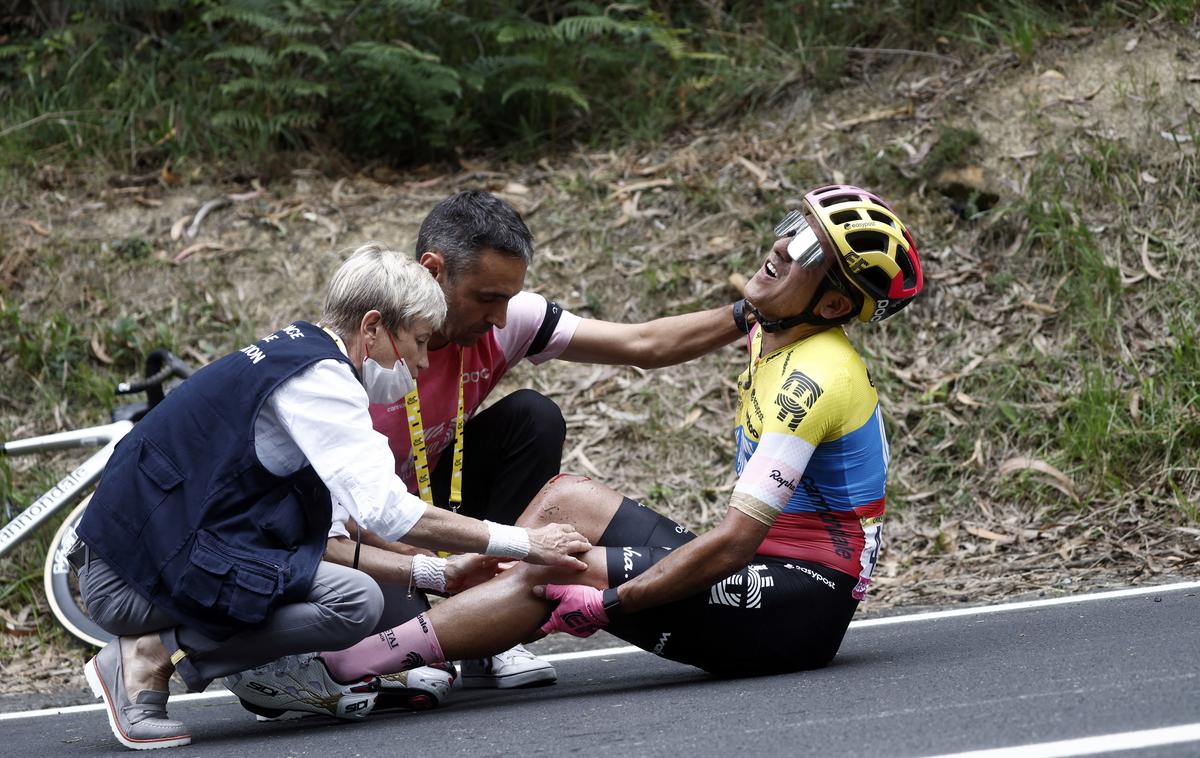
(62, 593)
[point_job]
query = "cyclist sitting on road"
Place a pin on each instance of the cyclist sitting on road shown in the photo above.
(202, 546)
(773, 587)
(478, 248)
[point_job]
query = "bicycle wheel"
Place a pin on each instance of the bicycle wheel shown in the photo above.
(62, 589)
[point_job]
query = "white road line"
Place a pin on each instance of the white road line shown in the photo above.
(600, 653)
(190, 698)
(1107, 743)
(626, 649)
(1004, 607)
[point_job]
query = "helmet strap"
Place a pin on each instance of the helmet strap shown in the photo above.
(805, 317)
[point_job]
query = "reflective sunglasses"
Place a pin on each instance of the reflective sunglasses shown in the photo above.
(805, 249)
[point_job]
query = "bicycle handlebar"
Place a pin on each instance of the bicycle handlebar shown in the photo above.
(161, 365)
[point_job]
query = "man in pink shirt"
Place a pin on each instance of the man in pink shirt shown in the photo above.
(478, 248)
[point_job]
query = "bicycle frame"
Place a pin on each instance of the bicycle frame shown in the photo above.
(72, 486)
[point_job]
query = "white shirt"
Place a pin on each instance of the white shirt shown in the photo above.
(319, 416)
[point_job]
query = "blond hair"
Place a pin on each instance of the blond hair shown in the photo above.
(375, 277)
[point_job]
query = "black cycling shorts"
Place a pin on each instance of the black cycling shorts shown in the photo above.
(774, 615)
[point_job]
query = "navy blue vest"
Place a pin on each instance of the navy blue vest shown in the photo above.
(188, 516)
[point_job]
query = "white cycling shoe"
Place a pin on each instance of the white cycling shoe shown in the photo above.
(302, 683)
(419, 689)
(513, 668)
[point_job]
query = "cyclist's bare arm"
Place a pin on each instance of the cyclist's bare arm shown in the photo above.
(697, 565)
(653, 344)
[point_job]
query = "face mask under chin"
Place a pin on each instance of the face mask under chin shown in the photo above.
(386, 386)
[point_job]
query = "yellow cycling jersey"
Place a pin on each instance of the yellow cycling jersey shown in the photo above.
(812, 456)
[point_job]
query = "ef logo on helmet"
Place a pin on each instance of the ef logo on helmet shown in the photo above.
(854, 262)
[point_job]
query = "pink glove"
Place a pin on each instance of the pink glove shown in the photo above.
(580, 610)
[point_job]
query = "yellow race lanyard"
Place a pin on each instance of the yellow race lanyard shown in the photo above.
(416, 433)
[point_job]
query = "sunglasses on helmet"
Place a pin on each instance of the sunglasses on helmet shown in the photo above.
(805, 248)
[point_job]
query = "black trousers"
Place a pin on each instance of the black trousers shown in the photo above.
(510, 450)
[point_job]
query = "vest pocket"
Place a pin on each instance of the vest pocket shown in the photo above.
(220, 578)
(203, 579)
(253, 594)
(147, 478)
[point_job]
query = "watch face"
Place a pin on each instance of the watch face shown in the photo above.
(610, 600)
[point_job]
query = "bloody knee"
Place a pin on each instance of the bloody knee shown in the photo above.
(558, 499)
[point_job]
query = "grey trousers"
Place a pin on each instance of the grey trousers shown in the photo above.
(343, 606)
(400, 604)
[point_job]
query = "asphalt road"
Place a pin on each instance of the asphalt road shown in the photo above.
(922, 685)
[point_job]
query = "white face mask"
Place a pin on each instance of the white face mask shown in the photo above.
(385, 386)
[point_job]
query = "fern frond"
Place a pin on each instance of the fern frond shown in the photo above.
(538, 85)
(299, 87)
(710, 57)
(237, 14)
(243, 121)
(267, 24)
(390, 54)
(575, 28)
(244, 84)
(413, 6)
(523, 30)
(304, 50)
(292, 120)
(252, 54)
(535, 84)
(570, 92)
(296, 29)
(668, 40)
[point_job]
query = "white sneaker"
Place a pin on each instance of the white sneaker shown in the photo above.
(513, 668)
(419, 689)
(302, 683)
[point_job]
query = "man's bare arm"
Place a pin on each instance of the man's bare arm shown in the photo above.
(653, 344)
(697, 565)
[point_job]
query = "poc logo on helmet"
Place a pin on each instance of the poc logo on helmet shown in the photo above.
(881, 310)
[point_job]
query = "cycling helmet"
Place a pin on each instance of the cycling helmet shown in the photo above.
(875, 252)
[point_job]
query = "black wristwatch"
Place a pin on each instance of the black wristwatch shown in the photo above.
(739, 316)
(611, 603)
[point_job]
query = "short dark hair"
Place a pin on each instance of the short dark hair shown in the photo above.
(464, 224)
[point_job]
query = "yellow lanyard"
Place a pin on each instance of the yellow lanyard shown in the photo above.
(416, 433)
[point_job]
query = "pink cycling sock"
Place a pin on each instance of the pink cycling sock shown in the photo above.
(412, 644)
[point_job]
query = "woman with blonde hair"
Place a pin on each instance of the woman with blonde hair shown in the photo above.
(203, 547)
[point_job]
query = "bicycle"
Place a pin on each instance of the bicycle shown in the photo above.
(61, 592)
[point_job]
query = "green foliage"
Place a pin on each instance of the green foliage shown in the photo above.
(273, 51)
(135, 83)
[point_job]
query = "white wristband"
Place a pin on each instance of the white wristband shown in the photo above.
(429, 573)
(507, 541)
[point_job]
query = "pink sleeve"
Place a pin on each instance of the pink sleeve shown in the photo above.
(526, 313)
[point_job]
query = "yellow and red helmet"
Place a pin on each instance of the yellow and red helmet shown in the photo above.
(875, 252)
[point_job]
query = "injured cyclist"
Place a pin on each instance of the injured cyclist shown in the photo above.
(773, 586)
